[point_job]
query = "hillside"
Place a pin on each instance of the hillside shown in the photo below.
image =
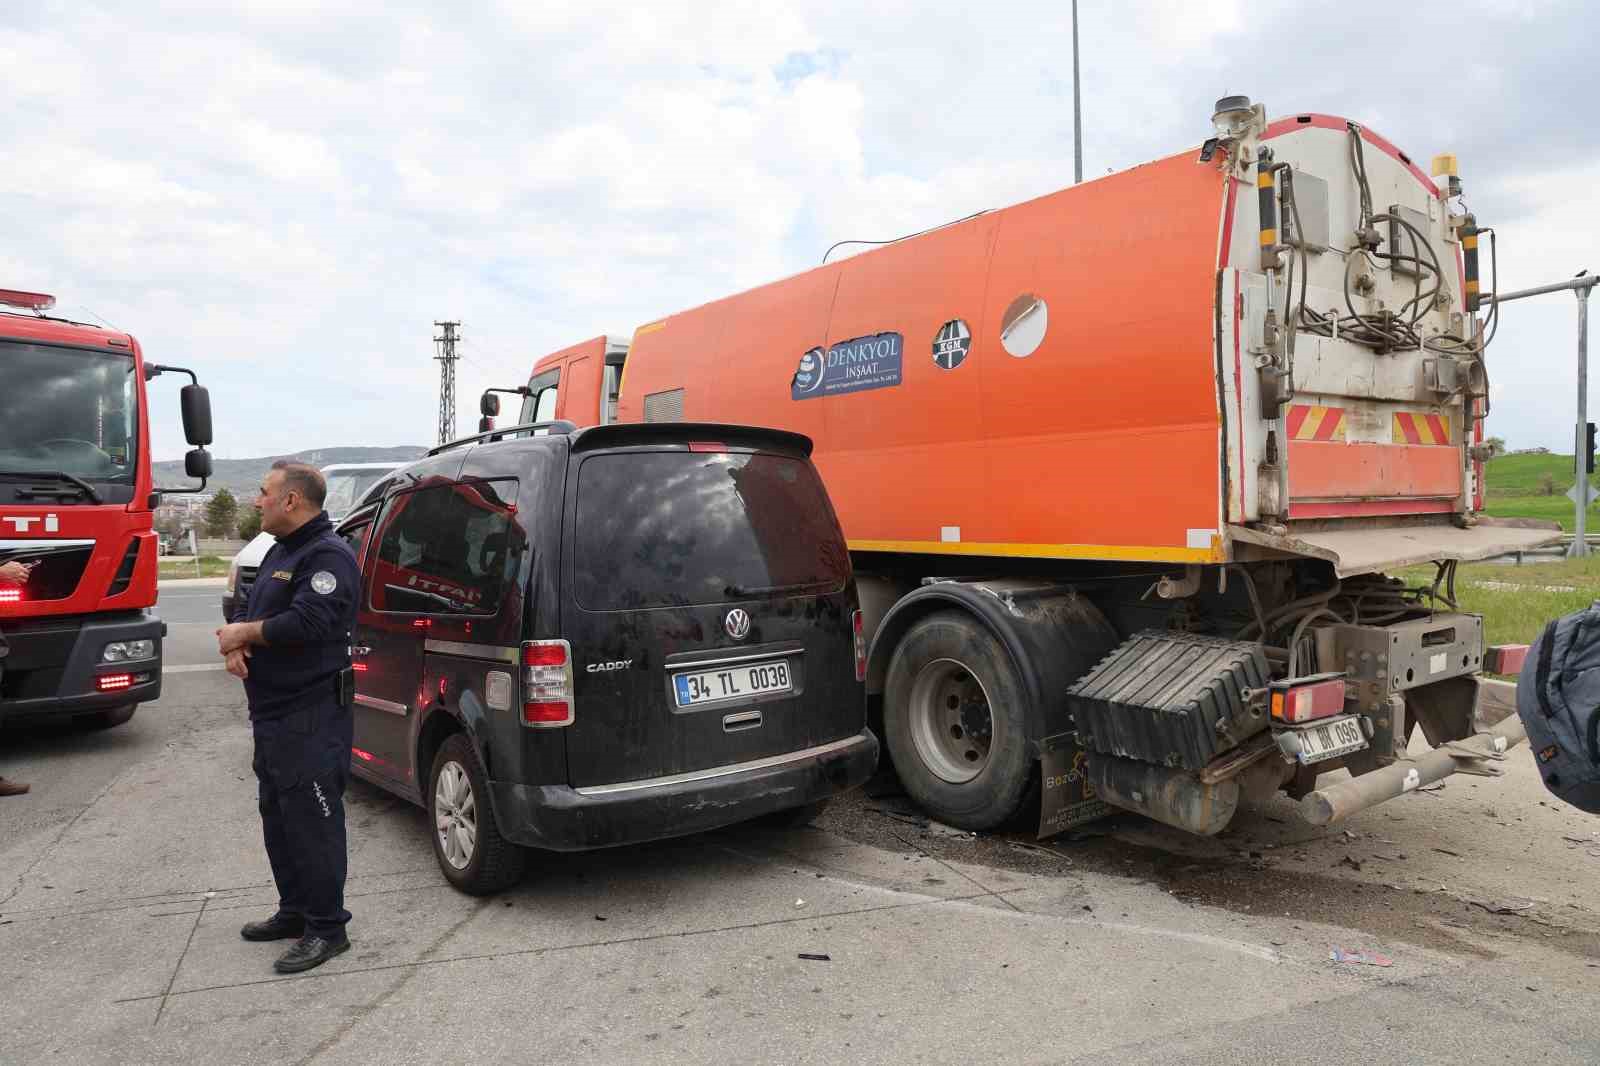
(1515, 488)
(243, 476)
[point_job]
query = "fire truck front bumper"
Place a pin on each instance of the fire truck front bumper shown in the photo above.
(78, 664)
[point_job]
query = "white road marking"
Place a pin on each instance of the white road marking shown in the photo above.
(192, 668)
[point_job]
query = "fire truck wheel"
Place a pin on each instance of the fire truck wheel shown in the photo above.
(952, 717)
(114, 717)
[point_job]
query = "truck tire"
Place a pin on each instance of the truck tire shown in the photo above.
(953, 720)
(110, 718)
(472, 854)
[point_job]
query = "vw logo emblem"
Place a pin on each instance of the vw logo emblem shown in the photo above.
(737, 623)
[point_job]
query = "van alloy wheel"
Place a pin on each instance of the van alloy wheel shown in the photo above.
(455, 815)
(950, 720)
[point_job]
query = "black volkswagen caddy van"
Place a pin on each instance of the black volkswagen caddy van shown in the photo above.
(577, 639)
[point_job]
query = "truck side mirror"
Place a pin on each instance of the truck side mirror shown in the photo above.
(489, 407)
(195, 402)
(197, 463)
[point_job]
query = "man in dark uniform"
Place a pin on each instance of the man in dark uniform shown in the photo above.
(290, 643)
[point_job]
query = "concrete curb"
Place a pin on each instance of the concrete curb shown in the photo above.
(193, 582)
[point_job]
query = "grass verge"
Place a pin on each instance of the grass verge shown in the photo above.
(210, 566)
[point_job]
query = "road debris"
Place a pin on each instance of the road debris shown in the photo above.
(1348, 861)
(1363, 958)
(814, 958)
(1500, 906)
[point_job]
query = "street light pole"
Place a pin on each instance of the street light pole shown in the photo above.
(1581, 286)
(1580, 542)
(1077, 110)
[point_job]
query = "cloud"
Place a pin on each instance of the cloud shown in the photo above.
(286, 196)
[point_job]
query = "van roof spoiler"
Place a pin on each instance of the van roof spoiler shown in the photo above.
(619, 434)
(558, 428)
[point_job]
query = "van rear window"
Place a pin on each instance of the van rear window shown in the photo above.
(663, 529)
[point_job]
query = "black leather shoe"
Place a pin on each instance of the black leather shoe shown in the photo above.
(280, 926)
(309, 952)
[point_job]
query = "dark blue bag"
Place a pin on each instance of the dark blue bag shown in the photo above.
(1559, 704)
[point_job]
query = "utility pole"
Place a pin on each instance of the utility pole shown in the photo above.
(1077, 110)
(447, 379)
(1581, 286)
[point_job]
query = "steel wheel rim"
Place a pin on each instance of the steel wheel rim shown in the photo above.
(455, 815)
(952, 722)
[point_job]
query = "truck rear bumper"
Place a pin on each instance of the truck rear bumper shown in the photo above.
(1363, 547)
(54, 665)
(561, 818)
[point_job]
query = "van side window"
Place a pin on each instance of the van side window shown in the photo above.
(357, 537)
(540, 406)
(447, 549)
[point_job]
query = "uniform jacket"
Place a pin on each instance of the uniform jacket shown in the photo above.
(306, 593)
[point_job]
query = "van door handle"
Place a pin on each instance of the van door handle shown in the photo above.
(359, 652)
(733, 723)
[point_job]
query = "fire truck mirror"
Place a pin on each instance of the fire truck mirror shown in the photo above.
(197, 463)
(196, 405)
(489, 406)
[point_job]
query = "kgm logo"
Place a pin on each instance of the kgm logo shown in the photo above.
(606, 668)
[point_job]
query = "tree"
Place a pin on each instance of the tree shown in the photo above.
(249, 524)
(1496, 445)
(222, 514)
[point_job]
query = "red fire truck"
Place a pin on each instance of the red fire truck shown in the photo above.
(77, 633)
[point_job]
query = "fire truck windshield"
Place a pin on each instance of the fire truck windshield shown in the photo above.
(68, 411)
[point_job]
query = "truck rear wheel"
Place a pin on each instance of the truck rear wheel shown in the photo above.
(953, 720)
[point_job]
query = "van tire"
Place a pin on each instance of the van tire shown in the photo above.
(495, 863)
(111, 718)
(954, 723)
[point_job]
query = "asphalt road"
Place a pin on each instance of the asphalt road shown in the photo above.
(126, 872)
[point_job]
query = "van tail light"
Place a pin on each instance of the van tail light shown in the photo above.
(861, 645)
(12, 595)
(1306, 699)
(546, 684)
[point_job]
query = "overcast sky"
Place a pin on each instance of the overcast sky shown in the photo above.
(285, 197)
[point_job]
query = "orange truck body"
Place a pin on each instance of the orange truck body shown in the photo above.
(1129, 433)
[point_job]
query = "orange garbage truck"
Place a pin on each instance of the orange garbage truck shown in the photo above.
(1155, 487)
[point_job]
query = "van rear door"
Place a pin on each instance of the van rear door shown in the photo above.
(708, 602)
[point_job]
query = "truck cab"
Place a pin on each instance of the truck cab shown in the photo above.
(76, 503)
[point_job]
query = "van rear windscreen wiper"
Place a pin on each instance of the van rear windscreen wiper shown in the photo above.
(50, 475)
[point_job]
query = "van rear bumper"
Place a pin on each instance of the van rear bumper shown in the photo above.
(562, 818)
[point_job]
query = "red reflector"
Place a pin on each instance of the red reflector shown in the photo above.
(112, 682)
(546, 713)
(364, 756)
(422, 623)
(706, 446)
(1505, 658)
(359, 668)
(541, 654)
(1305, 702)
(33, 301)
(10, 595)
